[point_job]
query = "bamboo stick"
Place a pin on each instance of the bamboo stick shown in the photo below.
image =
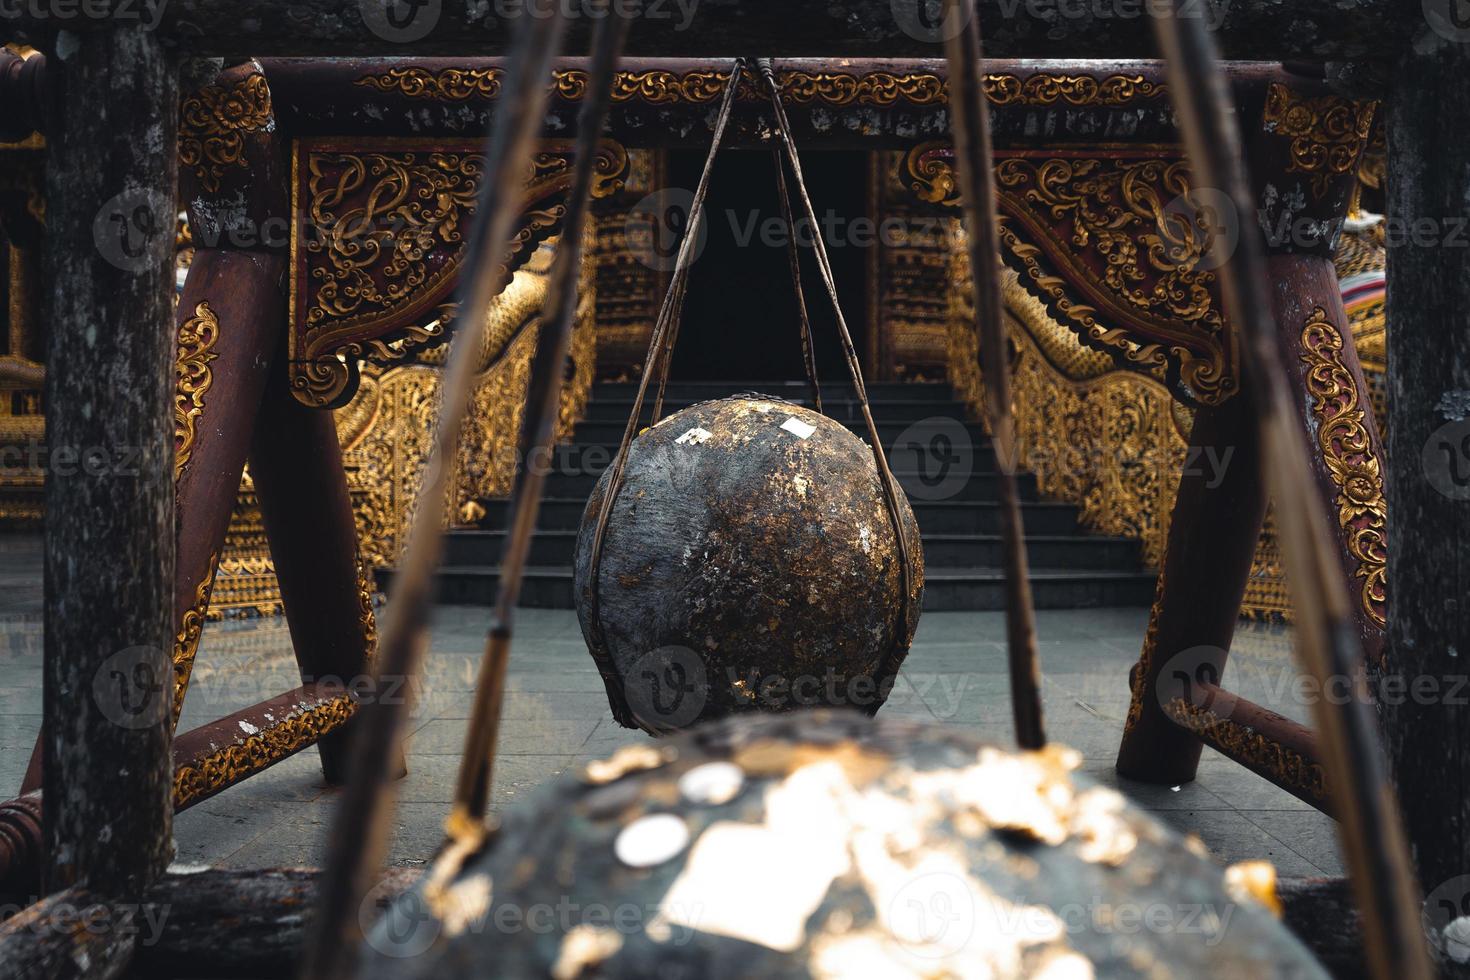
(358, 841)
(975, 163)
(1370, 829)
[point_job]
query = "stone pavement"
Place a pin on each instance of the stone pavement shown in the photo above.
(556, 716)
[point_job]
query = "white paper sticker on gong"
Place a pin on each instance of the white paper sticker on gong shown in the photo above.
(798, 428)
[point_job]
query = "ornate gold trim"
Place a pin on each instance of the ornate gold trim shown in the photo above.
(701, 86)
(1250, 747)
(192, 379)
(1138, 682)
(191, 627)
(1155, 306)
(1076, 90)
(393, 246)
(366, 617)
(213, 122)
(1327, 133)
(228, 765)
(1347, 449)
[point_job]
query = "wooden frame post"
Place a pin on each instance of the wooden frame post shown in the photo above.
(1212, 537)
(1428, 741)
(296, 462)
(109, 542)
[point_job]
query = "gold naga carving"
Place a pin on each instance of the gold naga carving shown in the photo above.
(1110, 441)
(1347, 451)
(192, 379)
(302, 726)
(387, 428)
(213, 122)
(373, 279)
(699, 86)
(1327, 133)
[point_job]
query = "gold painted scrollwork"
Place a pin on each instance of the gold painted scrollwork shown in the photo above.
(1116, 249)
(301, 727)
(1327, 133)
(186, 642)
(700, 86)
(367, 618)
(655, 87)
(380, 216)
(1286, 766)
(1078, 90)
(213, 122)
(192, 379)
(1347, 450)
(1129, 232)
(931, 175)
(1138, 679)
(1123, 212)
(372, 280)
(877, 88)
(448, 84)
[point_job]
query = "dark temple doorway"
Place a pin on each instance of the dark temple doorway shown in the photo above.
(740, 315)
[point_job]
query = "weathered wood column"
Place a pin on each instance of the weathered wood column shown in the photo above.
(1428, 732)
(1213, 531)
(109, 546)
(296, 462)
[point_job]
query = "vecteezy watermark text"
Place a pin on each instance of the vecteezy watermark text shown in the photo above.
(148, 13)
(406, 21)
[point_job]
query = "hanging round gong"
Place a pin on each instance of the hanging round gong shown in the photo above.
(749, 562)
(825, 844)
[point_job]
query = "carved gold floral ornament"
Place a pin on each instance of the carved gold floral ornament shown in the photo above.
(213, 122)
(1347, 450)
(373, 276)
(1116, 251)
(1286, 766)
(192, 379)
(1327, 133)
(186, 642)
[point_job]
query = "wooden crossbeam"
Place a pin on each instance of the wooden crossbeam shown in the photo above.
(1291, 30)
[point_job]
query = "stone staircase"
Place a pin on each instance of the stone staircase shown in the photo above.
(944, 463)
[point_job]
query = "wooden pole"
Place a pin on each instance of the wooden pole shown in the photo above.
(1371, 832)
(360, 829)
(538, 436)
(975, 163)
(1428, 734)
(109, 538)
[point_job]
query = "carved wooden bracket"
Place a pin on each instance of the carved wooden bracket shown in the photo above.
(1121, 247)
(377, 237)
